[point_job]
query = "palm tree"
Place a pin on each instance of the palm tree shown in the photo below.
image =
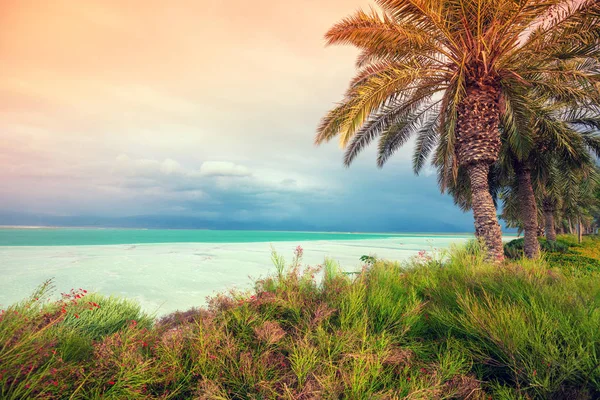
(446, 71)
(573, 196)
(558, 174)
(580, 201)
(552, 141)
(565, 190)
(571, 200)
(568, 148)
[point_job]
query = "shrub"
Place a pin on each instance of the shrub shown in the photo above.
(368, 259)
(44, 344)
(101, 316)
(514, 249)
(574, 263)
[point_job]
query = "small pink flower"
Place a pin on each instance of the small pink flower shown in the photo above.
(299, 251)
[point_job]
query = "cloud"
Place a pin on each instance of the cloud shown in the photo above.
(221, 187)
(147, 167)
(289, 182)
(223, 168)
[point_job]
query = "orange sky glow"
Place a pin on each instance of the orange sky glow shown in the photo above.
(120, 104)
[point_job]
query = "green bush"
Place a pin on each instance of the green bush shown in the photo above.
(110, 315)
(514, 249)
(566, 254)
(573, 263)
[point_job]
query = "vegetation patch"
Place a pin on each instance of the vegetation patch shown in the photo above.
(439, 326)
(566, 254)
(515, 248)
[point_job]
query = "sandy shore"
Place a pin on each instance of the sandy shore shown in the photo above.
(167, 277)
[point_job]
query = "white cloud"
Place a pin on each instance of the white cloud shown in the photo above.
(170, 167)
(223, 168)
(127, 166)
(162, 193)
(170, 172)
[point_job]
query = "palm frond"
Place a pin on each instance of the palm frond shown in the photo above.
(398, 133)
(382, 121)
(427, 138)
(516, 124)
(592, 141)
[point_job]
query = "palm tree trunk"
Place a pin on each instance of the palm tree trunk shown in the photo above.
(571, 230)
(484, 211)
(477, 146)
(549, 219)
(528, 210)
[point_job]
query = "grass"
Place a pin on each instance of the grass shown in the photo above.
(566, 253)
(438, 327)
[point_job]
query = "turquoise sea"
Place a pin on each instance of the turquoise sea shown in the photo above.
(87, 237)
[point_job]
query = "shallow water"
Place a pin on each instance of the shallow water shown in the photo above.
(171, 276)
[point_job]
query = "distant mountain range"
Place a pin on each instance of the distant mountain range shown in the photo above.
(416, 224)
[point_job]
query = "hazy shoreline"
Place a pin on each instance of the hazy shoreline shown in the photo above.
(170, 276)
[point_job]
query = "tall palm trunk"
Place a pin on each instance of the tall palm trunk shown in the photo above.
(477, 147)
(549, 209)
(484, 211)
(528, 210)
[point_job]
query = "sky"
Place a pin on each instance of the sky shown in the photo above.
(190, 113)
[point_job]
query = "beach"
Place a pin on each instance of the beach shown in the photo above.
(176, 276)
